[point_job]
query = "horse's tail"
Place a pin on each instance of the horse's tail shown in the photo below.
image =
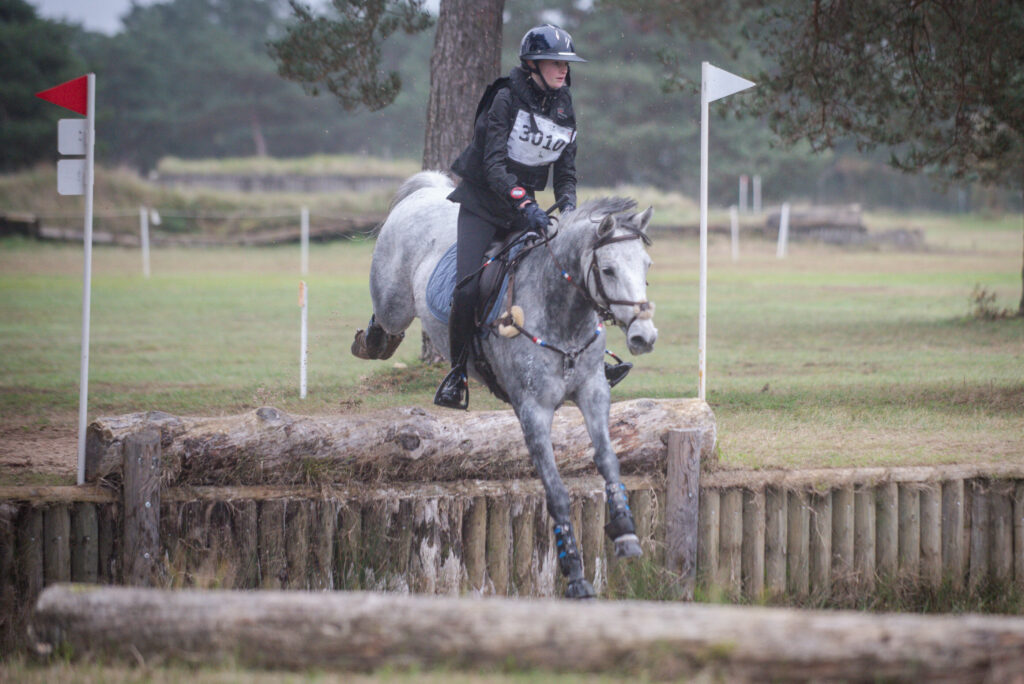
(419, 181)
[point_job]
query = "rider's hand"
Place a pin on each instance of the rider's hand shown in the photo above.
(536, 219)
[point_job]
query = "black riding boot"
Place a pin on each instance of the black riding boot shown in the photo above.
(571, 563)
(616, 373)
(454, 389)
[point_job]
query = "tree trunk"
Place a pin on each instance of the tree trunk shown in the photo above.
(466, 58)
(268, 446)
(368, 631)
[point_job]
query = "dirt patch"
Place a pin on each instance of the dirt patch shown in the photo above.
(30, 455)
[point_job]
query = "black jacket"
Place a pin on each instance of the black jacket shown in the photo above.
(524, 133)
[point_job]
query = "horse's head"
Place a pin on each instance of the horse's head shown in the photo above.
(616, 275)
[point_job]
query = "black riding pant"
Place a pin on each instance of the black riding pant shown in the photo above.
(475, 235)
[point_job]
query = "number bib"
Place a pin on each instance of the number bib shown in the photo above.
(541, 147)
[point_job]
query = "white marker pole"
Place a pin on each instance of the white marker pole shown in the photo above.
(744, 185)
(83, 384)
(304, 232)
(144, 239)
(715, 84)
(782, 247)
(304, 305)
(734, 226)
(757, 195)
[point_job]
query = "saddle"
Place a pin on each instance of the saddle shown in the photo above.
(495, 272)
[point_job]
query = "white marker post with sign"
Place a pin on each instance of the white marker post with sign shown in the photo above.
(715, 84)
(75, 177)
(303, 338)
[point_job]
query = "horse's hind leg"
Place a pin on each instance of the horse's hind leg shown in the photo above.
(593, 401)
(375, 342)
(536, 422)
(393, 306)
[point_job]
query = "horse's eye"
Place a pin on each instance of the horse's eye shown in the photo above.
(608, 271)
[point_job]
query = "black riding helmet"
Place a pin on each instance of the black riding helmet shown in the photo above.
(547, 42)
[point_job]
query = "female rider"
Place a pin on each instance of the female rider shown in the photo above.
(527, 130)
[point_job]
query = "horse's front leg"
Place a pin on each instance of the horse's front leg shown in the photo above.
(536, 423)
(594, 400)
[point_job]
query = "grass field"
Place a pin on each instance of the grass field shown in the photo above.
(831, 357)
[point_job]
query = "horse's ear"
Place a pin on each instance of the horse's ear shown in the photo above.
(644, 219)
(606, 227)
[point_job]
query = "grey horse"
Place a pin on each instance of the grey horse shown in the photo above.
(550, 347)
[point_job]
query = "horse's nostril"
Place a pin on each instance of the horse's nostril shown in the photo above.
(638, 341)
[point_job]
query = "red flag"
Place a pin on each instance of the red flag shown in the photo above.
(73, 95)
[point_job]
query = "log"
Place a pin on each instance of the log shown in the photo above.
(979, 533)
(523, 546)
(322, 526)
(245, 526)
(499, 543)
(798, 544)
(864, 530)
(953, 532)
(424, 561)
(753, 543)
(109, 531)
(1018, 534)
(820, 550)
(296, 543)
(30, 552)
(348, 545)
(85, 563)
(474, 542)
(547, 561)
(1001, 527)
(887, 529)
(731, 542)
(268, 446)
(684, 500)
(57, 544)
(931, 536)
(273, 566)
(708, 539)
(142, 473)
(592, 539)
(775, 541)
(843, 528)
(452, 571)
(910, 530)
(371, 631)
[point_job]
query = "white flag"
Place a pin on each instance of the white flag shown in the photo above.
(719, 83)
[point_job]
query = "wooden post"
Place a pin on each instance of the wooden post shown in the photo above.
(931, 535)
(108, 531)
(499, 543)
(323, 524)
(57, 546)
(910, 530)
(85, 563)
(245, 526)
(592, 540)
(979, 567)
(641, 501)
(821, 544)
(775, 519)
(798, 543)
(731, 541)
(30, 552)
(474, 542)
(953, 531)
(548, 572)
(424, 560)
(523, 546)
(1001, 527)
(452, 577)
(296, 543)
(682, 505)
(887, 535)
(348, 547)
(753, 543)
(864, 536)
(709, 530)
(843, 526)
(273, 558)
(141, 507)
(1018, 534)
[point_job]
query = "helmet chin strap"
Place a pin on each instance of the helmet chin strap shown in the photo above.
(534, 69)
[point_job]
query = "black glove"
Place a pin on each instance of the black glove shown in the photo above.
(536, 219)
(566, 204)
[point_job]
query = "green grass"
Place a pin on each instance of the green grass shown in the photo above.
(830, 357)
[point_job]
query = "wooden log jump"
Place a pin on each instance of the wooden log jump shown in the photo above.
(365, 631)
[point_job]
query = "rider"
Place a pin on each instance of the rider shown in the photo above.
(528, 129)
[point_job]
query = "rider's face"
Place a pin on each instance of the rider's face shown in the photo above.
(553, 71)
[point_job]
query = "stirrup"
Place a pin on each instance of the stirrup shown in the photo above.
(453, 392)
(616, 373)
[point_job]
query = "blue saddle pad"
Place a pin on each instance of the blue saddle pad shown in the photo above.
(442, 284)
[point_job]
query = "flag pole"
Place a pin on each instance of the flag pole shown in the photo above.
(702, 326)
(83, 385)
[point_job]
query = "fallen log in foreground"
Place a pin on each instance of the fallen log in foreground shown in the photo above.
(268, 446)
(361, 631)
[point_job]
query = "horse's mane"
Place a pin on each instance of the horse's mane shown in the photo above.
(603, 206)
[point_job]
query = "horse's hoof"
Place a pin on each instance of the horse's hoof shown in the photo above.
(391, 343)
(580, 589)
(628, 546)
(359, 346)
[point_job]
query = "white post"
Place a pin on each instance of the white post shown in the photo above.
(744, 184)
(702, 324)
(780, 250)
(304, 229)
(83, 382)
(304, 305)
(757, 195)
(734, 221)
(144, 239)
